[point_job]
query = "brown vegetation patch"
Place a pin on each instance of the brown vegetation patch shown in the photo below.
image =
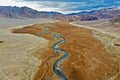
(1, 41)
(88, 59)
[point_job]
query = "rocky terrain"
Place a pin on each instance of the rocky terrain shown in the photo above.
(104, 13)
(26, 12)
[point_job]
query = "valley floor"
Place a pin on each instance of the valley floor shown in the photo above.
(16, 60)
(94, 51)
(93, 55)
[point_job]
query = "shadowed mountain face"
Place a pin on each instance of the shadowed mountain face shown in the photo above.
(101, 13)
(18, 12)
(21, 12)
(107, 13)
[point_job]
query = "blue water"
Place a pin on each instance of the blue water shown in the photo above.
(56, 65)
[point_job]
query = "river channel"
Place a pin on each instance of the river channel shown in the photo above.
(56, 65)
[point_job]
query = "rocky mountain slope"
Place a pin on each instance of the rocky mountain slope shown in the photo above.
(19, 12)
(26, 12)
(104, 13)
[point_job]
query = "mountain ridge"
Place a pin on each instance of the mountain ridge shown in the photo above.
(16, 12)
(26, 12)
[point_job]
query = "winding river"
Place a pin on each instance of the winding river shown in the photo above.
(56, 65)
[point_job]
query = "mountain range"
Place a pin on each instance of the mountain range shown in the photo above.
(21, 12)
(26, 12)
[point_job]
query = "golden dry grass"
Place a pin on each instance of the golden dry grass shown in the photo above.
(88, 58)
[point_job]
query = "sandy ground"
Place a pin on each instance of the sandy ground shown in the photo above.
(16, 61)
(103, 26)
(7, 22)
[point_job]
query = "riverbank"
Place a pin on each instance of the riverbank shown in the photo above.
(88, 60)
(17, 61)
(106, 32)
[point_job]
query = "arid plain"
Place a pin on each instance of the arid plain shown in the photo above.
(16, 61)
(94, 54)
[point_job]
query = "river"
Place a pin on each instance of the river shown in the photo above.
(56, 65)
